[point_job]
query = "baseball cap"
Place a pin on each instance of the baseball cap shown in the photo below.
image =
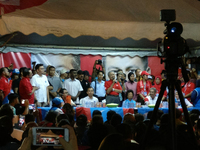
(63, 71)
(57, 101)
(86, 73)
(144, 73)
(15, 71)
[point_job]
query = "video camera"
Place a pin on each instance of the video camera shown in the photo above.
(173, 45)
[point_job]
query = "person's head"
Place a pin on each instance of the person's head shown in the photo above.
(61, 117)
(4, 72)
(111, 75)
(51, 71)
(125, 130)
(158, 80)
(13, 99)
(6, 128)
(26, 72)
(39, 69)
(97, 119)
(86, 75)
(110, 113)
(21, 71)
(152, 92)
(80, 75)
(139, 117)
(119, 76)
(176, 95)
(129, 94)
(116, 120)
(30, 73)
(14, 76)
(100, 75)
(68, 109)
(195, 111)
(96, 134)
(124, 76)
(113, 141)
(63, 93)
(73, 73)
(163, 74)
(129, 118)
(131, 76)
(29, 118)
(63, 74)
(81, 121)
(138, 72)
(51, 116)
(96, 112)
(6, 110)
(57, 102)
(90, 92)
(144, 75)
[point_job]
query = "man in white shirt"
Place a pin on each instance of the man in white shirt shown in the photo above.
(73, 86)
(90, 99)
(99, 86)
(39, 80)
(177, 100)
(151, 98)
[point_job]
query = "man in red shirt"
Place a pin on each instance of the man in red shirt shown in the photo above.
(143, 87)
(113, 88)
(5, 85)
(26, 91)
(188, 87)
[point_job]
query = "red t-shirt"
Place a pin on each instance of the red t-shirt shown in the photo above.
(25, 88)
(143, 89)
(115, 86)
(5, 85)
(189, 87)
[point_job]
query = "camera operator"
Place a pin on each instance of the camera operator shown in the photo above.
(113, 88)
(95, 70)
(98, 86)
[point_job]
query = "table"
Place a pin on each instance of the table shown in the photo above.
(88, 111)
(121, 111)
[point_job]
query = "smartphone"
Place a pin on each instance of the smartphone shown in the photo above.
(49, 136)
(21, 120)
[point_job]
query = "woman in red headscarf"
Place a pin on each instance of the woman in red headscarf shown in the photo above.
(157, 85)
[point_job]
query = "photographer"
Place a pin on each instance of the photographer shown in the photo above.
(95, 70)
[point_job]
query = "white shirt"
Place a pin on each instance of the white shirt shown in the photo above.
(89, 100)
(151, 101)
(42, 83)
(187, 103)
(73, 87)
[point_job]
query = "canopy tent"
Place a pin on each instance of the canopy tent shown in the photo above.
(121, 19)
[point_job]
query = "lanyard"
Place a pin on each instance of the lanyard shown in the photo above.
(144, 85)
(186, 86)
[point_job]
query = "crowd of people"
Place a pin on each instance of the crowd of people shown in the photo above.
(43, 87)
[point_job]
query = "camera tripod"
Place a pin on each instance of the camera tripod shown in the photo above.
(171, 82)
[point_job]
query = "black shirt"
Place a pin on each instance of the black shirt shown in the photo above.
(85, 85)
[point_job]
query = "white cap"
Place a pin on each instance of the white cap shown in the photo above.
(63, 71)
